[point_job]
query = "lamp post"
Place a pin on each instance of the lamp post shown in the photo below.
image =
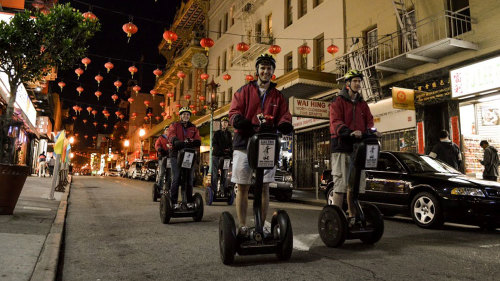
(212, 107)
(126, 143)
(142, 132)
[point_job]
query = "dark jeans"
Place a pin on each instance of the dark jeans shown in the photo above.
(216, 165)
(162, 175)
(176, 177)
(51, 170)
(490, 178)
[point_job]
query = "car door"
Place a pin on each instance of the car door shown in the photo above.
(386, 184)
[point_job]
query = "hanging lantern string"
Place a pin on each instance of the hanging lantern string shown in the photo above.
(94, 106)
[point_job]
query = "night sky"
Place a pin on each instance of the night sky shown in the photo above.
(152, 18)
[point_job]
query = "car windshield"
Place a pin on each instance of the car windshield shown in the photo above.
(425, 164)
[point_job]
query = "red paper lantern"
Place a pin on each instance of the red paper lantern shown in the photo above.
(332, 49)
(109, 66)
(274, 49)
(194, 111)
(61, 85)
(153, 93)
(104, 112)
(207, 43)
(163, 114)
(98, 78)
(242, 47)
(89, 109)
(146, 103)
(105, 125)
(187, 97)
(79, 89)
(178, 105)
(79, 109)
(94, 137)
(121, 116)
(170, 95)
(94, 112)
(98, 94)
(205, 106)
(117, 113)
(157, 118)
(170, 37)
(117, 84)
(132, 70)
(114, 97)
(74, 117)
(249, 77)
(95, 124)
(202, 98)
(304, 50)
(273, 77)
(130, 100)
(226, 77)
(191, 106)
(136, 88)
(79, 72)
(146, 118)
(77, 134)
(86, 61)
(204, 76)
(162, 104)
(169, 117)
(181, 75)
(130, 29)
(134, 114)
(89, 16)
(84, 121)
(157, 72)
(86, 136)
(106, 115)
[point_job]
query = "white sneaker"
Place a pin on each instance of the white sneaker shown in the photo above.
(266, 229)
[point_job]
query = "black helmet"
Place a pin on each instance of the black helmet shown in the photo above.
(352, 74)
(265, 59)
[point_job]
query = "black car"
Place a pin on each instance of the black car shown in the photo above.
(429, 190)
(281, 188)
(148, 170)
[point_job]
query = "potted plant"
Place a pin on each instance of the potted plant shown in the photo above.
(31, 44)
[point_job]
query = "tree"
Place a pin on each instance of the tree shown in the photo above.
(31, 44)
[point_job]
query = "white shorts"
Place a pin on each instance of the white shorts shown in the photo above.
(340, 172)
(242, 173)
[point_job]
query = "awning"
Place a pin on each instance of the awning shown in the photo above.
(302, 83)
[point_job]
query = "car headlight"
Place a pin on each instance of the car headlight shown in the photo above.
(288, 178)
(467, 191)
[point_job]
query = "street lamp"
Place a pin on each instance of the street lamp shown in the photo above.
(212, 107)
(71, 140)
(126, 143)
(142, 132)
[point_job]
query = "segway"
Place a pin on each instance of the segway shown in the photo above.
(333, 225)
(224, 193)
(263, 152)
(157, 189)
(185, 161)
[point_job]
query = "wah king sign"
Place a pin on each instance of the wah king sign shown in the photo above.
(309, 108)
(403, 98)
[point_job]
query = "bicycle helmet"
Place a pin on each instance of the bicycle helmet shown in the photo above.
(185, 109)
(225, 118)
(265, 59)
(352, 74)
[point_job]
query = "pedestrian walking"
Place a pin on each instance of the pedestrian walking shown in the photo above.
(42, 164)
(490, 161)
(447, 151)
(51, 164)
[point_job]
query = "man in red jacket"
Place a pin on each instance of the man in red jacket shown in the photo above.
(259, 97)
(182, 134)
(162, 148)
(350, 117)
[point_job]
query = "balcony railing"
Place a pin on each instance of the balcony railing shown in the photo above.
(447, 24)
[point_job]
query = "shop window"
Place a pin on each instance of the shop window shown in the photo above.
(219, 29)
(317, 2)
(319, 53)
(226, 22)
(231, 16)
(401, 140)
(288, 13)
(218, 66)
(372, 45)
(224, 62)
(258, 32)
(302, 8)
(231, 55)
(269, 25)
(288, 62)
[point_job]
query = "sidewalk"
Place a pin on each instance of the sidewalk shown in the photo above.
(30, 239)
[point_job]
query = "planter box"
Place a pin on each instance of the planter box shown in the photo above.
(12, 179)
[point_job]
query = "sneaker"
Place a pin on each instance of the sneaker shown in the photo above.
(267, 230)
(190, 205)
(177, 206)
(242, 232)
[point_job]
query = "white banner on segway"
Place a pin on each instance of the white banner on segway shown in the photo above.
(169, 164)
(267, 149)
(187, 161)
(227, 162)
(371, 156)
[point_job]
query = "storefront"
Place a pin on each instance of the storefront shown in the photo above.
(477, 89)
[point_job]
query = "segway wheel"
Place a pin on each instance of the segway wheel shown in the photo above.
(209, 196)
(156, 194)
(227, 238)
(198, 203)
(166, 208)
(332, 226)
(230, 199)
(375, 221)
(281, 227)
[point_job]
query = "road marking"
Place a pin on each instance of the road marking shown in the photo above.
(489, 246)
(303, 242)
(37, 208)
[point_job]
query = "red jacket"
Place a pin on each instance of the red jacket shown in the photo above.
(347, 116)
(162, 143)
(247, 103)
(177, 132)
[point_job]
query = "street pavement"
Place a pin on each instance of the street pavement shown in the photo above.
(113, 232)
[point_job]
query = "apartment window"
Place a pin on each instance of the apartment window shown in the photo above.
(288, 13)
(224, 62)
(220, 29)
(226, 22)
(372, 45)
(288, 62)
(218, 66)
(317, 2)
(302, 7)
(258, 32)
(230, 94)
(459, 20)
(231, 16)
(190, 80)
(269, 24)
(231, 55)
(319, 53)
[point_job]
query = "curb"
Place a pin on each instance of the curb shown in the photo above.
(313, 202)
(46, 265)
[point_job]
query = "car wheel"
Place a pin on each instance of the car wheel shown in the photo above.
(426, 210)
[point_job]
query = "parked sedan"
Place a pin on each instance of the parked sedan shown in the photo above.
(429, 190)
(134, 170)
(148, 170)
(281, 188)
(112, 173)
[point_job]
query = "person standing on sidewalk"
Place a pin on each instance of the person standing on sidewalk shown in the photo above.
(222, 147)
(51, 164)
(447, 151)
(490, 161)
(42, 164)
(350, 117)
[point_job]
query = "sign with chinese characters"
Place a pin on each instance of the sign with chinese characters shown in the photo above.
(267, 150)
(403, 98)
(309, 108)
(455, 133)
(420, 136)
(387, 118)
(475, 78)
